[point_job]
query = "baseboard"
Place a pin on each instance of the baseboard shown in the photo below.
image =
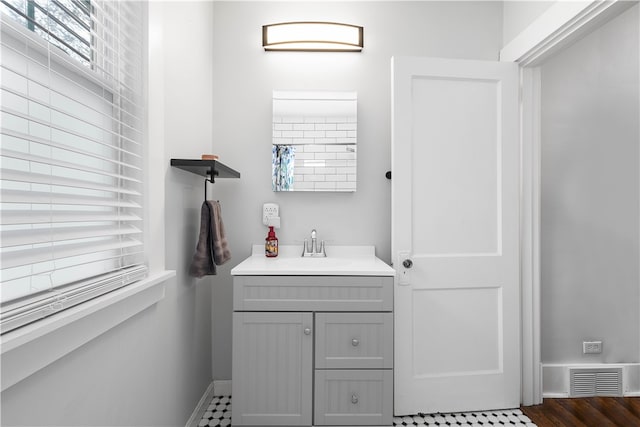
(201, 407)
(556, 381)
(222, 387)
(555, 395)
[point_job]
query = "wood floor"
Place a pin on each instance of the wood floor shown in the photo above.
(586, 412)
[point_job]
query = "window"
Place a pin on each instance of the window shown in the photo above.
(71, 159)
(65, 23)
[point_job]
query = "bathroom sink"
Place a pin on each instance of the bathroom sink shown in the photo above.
(340, 260)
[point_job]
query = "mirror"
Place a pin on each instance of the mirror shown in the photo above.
(314, 141)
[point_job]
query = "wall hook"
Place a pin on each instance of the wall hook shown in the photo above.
(213, 173)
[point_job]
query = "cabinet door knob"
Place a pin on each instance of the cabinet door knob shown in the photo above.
(307, 331)
(354, 398)
(355, 342)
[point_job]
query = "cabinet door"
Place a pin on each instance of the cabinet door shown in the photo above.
(272, 368)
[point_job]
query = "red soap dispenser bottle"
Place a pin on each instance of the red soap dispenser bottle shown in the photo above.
(271, 244)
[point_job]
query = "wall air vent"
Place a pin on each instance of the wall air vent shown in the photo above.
(595, 382)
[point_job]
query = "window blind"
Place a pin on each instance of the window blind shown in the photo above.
(71, 158)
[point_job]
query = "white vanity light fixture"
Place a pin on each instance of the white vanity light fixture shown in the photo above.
(313, 37)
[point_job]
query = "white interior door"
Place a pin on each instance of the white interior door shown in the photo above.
(455, 196)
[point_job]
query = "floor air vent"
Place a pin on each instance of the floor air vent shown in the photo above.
(596, 382)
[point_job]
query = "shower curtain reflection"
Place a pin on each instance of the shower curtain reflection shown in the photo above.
(283, 157)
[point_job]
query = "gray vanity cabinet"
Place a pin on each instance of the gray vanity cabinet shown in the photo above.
(312, 350)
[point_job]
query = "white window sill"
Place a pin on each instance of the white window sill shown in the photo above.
(32, 347)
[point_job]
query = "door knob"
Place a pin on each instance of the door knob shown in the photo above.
(407, 263)
(307, 331)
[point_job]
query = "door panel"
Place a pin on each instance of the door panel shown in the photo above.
(471, 336)
(460, 217)
(455, 162)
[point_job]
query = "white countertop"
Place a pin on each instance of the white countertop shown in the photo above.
(340, 261)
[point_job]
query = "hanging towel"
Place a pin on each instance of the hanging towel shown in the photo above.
(212, 248)
(220, 245)
(202, 263)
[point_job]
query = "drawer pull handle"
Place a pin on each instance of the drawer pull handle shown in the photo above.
(307, 331)
(355, 342)
(354, 398)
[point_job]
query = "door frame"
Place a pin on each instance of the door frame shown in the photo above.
(559, 26)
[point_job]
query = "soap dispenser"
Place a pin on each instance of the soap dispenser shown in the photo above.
(271, 244)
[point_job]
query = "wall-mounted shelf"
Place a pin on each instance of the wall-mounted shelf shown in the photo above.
(207, 168)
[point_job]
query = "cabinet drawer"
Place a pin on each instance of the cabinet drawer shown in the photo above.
(353, 397)
(313, 293)
(354, 340)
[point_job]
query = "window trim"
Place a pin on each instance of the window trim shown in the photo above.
(32, 347)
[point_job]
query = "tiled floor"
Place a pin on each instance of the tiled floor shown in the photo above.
(219, 414)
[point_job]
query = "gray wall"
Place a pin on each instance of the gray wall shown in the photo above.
(152, 369)
(590, 196)
(244, 77)
(518, 15)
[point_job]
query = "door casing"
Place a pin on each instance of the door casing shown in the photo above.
(562, 24)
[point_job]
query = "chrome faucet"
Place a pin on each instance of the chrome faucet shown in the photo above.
(313, 250)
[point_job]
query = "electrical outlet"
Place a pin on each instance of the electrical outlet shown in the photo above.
(591, 347)
(270, 210)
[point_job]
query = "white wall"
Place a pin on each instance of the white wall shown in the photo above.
(152, 369)
(518, 15)
(591, 196)
(244, 77)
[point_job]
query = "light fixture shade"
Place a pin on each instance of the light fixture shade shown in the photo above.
(313, 36)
